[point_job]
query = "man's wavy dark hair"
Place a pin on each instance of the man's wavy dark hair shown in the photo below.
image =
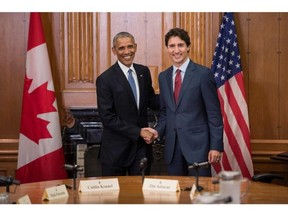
(181, 33)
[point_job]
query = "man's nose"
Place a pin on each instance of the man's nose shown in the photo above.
(126, 50)
(176, 49)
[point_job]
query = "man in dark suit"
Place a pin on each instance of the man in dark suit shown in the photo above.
(191, 120)
(124, 112)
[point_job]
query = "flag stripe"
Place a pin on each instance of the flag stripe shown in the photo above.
(237, 151)
(241, 115)
(241, 98)
(228, 151)
(229, 139)
(235, 138)
(231, 91)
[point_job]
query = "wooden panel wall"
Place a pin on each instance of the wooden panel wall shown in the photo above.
(79, 46)
(86, 42)
(263, 47)
(13, 39)
(87, 37)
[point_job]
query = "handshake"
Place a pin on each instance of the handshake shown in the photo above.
(149, 134)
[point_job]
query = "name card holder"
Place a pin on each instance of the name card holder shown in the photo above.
(193, 191)
(161, 185)
(53, 193)
(24, 200)
(99, 185)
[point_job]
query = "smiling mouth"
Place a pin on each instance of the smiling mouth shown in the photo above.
(127, 58)
(177, 57)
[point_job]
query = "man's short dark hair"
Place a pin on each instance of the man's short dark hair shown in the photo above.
(181, 33)
(122, 35)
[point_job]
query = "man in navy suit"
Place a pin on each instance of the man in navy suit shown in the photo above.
(123, 111)
(191, 121)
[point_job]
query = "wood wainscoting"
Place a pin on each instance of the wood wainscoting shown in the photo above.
(262, 150)
(8, 156)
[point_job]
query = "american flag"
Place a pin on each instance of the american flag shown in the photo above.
(226, 67)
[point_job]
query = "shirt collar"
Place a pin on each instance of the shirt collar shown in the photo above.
(124, 68)
(183, 67)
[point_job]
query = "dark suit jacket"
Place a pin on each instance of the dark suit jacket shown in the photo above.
(196, 119)
(121, 119)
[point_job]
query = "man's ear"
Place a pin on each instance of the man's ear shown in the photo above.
(113, 50)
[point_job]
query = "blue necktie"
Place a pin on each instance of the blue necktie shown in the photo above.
(132, 83)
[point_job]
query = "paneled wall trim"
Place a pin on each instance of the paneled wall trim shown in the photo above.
(78, 48)
(86, 41)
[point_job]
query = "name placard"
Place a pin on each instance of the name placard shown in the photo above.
(24, 200)
(53, 193)
(193, 192)
(161, 185)
(99, 185)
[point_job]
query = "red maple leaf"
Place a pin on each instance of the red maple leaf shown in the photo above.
(37, 102)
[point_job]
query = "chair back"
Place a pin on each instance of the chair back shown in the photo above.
(92, 165)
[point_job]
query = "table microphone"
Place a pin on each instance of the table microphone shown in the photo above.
(196, 166)
(75, 167)
(143, 165)
(9, 180)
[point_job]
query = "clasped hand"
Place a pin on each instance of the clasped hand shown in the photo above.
(149, 134)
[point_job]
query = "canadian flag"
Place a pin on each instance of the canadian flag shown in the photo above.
(40, 153)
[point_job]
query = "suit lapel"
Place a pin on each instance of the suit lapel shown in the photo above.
(124, 82)
(169, 80)
(141, 84)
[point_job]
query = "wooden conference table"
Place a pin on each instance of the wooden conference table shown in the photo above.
(131, 192)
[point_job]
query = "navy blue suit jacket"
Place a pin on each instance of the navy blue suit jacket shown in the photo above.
(196, 118)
